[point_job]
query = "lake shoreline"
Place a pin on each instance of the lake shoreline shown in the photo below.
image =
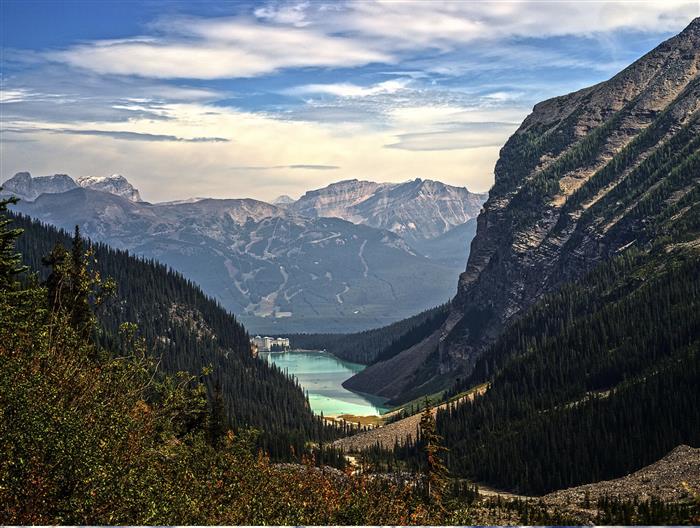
(321, 374)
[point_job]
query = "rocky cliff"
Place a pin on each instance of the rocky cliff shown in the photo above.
(24, 186)
(587, 175)
(417, 210)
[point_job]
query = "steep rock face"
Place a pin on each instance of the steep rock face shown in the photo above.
(336, 199)
(586, 175)
(416, 210)
(24, 186)
(114, 184)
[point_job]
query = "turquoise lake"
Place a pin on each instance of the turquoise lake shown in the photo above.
(321, 375)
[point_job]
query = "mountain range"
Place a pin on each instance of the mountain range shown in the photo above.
(28, 188)
(351, 256)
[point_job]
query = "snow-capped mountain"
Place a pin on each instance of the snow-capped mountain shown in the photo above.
(354, 255)
(114, 184)
(417, 210)
(28, 188)
(283, 200)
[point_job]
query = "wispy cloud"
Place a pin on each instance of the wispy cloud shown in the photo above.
(455, 137)
(137, 136)
(350, 34)
(307, 166)
(196, 48)
(443, 25)
(314, 167)
(351, 90)
(114, 134)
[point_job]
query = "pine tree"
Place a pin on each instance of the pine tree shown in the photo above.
(217, 416)
(57, 283)
(81, 285)
(436, 476)
(10, 260)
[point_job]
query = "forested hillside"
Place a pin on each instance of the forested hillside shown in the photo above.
(187, 331)
(596, 381)
(580, 302)
(378, 344)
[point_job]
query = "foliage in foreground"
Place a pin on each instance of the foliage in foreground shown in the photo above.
(90, 437)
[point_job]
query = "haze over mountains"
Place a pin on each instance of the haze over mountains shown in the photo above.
(351, 256)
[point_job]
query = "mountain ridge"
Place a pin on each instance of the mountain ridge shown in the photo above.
(418, 209)
(27, 187)
(278, 271)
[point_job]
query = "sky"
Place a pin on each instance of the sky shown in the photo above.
(257, 99)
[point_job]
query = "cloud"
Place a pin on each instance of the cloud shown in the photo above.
(456, 136)
(352, 34)
(197, 48)
(314, 167)
(278, 167)
(443, 25)
(114, 134)
(351, 90)
(14, 96)
(270, 156)
(137, 136)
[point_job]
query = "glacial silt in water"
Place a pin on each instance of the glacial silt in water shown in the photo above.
(321, 375)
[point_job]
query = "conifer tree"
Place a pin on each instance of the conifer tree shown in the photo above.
(10, 260)
(217, 416)
(435, 472)
(57, 283)
(81, 285)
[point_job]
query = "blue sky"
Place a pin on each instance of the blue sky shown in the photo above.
(232, 99)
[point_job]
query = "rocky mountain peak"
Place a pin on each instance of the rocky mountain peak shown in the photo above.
(114, 184)
(28, 188)
(283, 200)
(418, 209)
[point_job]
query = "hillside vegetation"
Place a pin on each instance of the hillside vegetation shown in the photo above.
(375, 345)
(187, 331)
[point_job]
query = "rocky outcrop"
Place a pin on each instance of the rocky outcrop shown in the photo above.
(417, 210)
(672, 479)
(24, 186)
(573, 186)
(28, 188)
(114, 184)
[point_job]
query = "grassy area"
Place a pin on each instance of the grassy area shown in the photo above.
(369, 421)
(435, 399)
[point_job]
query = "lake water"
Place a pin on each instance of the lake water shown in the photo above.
(321, 375)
